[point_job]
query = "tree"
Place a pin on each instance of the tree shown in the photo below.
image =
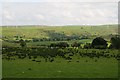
(61, 52)
(115, 42)
(75, 44)
(63, 44)
(53, 45)
(87, 46)
(99, 43)
(22, 43)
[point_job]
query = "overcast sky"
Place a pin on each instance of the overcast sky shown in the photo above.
(59, 13)
(59, 0)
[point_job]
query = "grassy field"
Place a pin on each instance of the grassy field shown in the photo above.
(0, 66)
(60, 68)
(44, 43)
(30, 32)
(103, 68)
(40, 32)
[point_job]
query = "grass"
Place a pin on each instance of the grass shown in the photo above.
(38, 32)
(49, 42)
(103, 68)
(0, 66)
(44, 43)
(60, 68)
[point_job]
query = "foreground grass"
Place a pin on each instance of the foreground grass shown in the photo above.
(0, 66)
(103, 68)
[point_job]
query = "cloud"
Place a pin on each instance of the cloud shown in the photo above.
(8, 16)
(39, 16)
(60, 0)
(59, 13)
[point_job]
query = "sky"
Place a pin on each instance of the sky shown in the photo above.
(59, 0)
(58, 12)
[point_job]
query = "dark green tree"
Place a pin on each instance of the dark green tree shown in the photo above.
(75, 44)
(99, 43)
(53, 45)
(115, 42)
(87, 46)
(63, 44)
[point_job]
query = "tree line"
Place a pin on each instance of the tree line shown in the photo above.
(97, 43)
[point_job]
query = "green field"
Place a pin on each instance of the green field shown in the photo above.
(40, 32)
(30, 32)
(29, 44)
(103, 68)
(103, 64)
(0, 66)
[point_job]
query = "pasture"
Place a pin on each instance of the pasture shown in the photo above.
(0, 66)
(44, 43)
(11, 34)
(37, 59)
(103, 68)
(80, 65)
(43, 32)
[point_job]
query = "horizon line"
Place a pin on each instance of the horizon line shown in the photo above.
(60, 25)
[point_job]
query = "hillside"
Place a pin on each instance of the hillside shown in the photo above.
(46, 32)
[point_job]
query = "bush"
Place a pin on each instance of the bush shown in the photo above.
(99, 43)
(75, 44)
(22, 43)
(87, 46)
(115, 42)
(60, 44)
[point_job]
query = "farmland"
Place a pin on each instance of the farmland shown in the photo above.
(104, 68)
(48, 34)
(59, 52)
(75, 63)
(30, 32)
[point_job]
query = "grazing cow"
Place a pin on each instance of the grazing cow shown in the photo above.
(29, 57)
(95, 60)
(69, 61)
(51, 60)
(29, 68)
(38, 61)
(118, 59)
(8, 58)
(68, 58)
(33, 60)
(45, 59)
(86, 61)
(70, 54)
(12, 58)
(77, 61)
